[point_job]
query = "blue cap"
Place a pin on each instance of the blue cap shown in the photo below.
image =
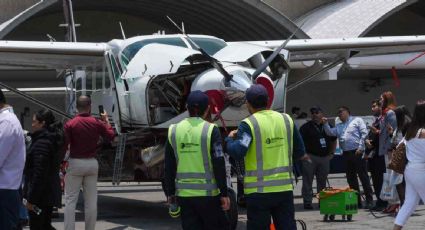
(315, 109)
(257, 96)
(197, 99)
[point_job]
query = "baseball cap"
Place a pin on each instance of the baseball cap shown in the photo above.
(197, 99)
(315, 109)
(257, 96)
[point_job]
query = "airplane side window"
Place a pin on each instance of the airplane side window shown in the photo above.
(115, 70)
(107, 81)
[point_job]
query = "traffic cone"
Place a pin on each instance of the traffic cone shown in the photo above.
(272, 227)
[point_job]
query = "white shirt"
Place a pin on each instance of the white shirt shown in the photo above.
(12, 150)
(415, 150)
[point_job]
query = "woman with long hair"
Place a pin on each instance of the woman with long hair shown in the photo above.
(42, 184)
(415, 168)
(404, 119)
(386, 120)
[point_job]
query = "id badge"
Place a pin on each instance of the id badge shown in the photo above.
(323, 142)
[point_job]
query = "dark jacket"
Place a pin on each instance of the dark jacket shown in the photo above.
(42, 183)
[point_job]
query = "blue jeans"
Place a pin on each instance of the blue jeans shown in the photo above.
(261, 207)
(9, 209)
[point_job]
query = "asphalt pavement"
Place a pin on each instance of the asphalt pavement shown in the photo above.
(143, 206)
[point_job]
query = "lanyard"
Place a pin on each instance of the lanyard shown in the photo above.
(320, 131)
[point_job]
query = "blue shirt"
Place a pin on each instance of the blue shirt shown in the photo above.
(12, 150)
(351, 133)
(238, 147)
(385, 143)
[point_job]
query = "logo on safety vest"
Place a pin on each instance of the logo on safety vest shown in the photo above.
(273, 140)
(187, 145)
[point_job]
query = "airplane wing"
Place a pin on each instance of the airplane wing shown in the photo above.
(239, 52)
(329, 49)
(50, 55)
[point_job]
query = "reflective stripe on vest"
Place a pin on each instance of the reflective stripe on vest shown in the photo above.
(260, 173)
(210, 186)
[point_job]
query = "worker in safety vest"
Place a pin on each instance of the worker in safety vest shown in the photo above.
(195, 172)
(269, 142)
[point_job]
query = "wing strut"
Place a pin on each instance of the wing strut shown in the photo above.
(36, 101)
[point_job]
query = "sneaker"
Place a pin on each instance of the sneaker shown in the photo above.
(391, 208)
(308, 206)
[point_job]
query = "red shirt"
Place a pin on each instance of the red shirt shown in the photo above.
(82, 134)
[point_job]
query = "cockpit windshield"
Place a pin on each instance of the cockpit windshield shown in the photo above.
(210, 45)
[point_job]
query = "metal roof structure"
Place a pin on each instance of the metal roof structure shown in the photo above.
(348, 18)
(228, 19)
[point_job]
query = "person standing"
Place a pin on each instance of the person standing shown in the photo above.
(269, 142)
(82, 134)
(404, 119)
(415, 168)
(376, 162)
(387, 120)
(351, 133)
(42, 183)
(195, 173)
(12, 161)
(319, 147)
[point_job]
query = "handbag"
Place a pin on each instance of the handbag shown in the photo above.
(389, 190)
(398, 161)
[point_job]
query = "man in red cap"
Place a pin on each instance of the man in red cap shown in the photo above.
(195, 174)
(269, 142)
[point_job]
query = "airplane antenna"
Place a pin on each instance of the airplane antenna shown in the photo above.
(122, 31)
(184, 31)
(267, 62)
(217, 65)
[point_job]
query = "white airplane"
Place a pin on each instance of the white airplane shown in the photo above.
(142, 82)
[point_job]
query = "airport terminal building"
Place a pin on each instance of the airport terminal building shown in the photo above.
(243, 20)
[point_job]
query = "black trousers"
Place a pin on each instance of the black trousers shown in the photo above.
(203, 213)
(377, 169)
(9, 209)
(261, 207)
(355, 165)
(42, 221)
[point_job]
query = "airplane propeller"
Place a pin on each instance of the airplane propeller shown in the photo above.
(267, 62)
(214, 62)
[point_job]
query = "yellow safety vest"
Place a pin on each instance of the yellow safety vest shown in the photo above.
(268, 163)
(191, 140)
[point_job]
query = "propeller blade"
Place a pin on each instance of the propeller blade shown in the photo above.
(267, 62)
(214, 62)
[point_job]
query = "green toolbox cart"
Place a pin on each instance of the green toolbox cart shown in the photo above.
(338, 202)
